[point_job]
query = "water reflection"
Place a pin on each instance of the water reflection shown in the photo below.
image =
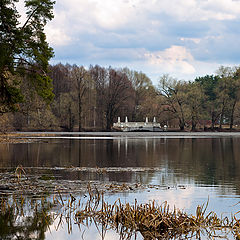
(209, 161)
(202, 166)
(24, 219)
(89, 215)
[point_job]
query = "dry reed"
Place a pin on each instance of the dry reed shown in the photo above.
(152, 220)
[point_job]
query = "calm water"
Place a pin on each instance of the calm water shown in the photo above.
(185, 171)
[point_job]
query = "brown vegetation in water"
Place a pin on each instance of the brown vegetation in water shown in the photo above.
(153, 221)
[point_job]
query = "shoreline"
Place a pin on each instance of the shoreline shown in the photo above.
(163, 133)
(29, 137)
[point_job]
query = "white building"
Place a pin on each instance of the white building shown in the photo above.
(137, 126)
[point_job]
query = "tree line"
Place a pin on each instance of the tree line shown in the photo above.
(210, 101)
(93, 99)
(36, 96)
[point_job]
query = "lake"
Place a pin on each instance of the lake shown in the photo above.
(186, 170)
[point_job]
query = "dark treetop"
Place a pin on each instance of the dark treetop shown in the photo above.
(24, 51)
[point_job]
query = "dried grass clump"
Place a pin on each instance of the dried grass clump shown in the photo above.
(152, 220)
(155, 221)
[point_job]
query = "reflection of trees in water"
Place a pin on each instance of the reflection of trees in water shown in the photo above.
(206, 160)
(211, 161)
(24, 219)
(31, 219)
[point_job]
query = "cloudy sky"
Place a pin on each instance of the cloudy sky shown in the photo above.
(184, 38)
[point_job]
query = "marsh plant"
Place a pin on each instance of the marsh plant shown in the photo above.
(28, 218)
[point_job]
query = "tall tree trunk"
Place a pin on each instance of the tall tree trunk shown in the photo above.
(79, 112)
(213, 121)
(181, 124)
(71, 118)
(109, 120)
(193, 124)
(108, 127)
(232, 115)
(221, 117)
(221, 120)
(181, 119)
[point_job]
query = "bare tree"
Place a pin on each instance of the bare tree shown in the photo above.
(119, 90)
(61, 83)
(99, 77)
(80, 77)
(174, 96)
(143, 89)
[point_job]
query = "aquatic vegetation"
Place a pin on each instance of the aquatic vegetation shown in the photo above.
(151, 220)
(29, 181)
(155, 221)
(45, 202)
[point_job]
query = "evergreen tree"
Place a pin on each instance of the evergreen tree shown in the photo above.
(24, 51)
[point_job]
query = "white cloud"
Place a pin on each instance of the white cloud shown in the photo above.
(179, 37)
(57, 36)
(195, 10)
(194, 40)
(175, 58)
(228, 8)
(21, 9)
(113, 14)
